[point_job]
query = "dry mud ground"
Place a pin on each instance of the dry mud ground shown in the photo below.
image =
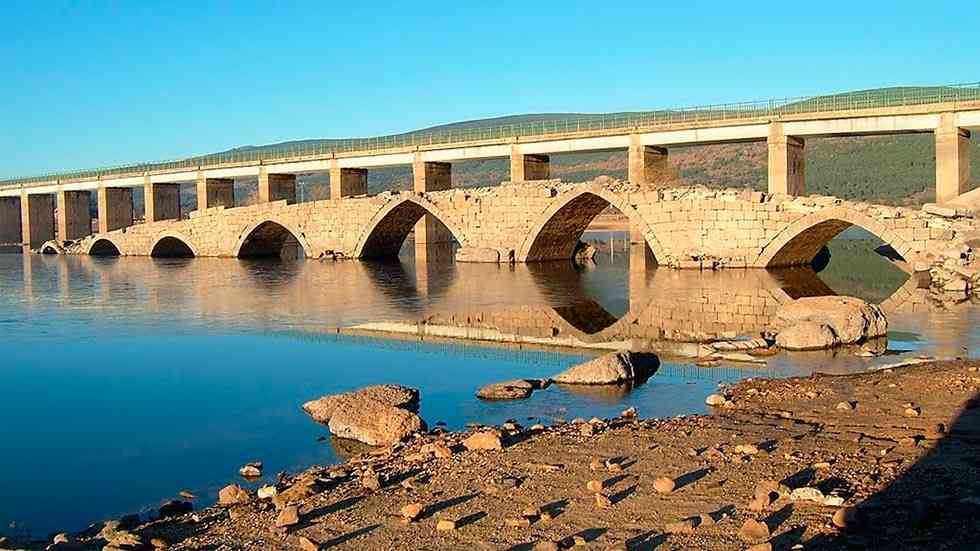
(914, 485)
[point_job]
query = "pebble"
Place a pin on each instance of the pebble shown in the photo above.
(60, 538)
(753, 530)
(159, 543)
(685, 526)
(912, 412)
(446, 525)
(232, 494)
(845, 406)
(518, 522)
(267, 492)
(807, 493)
(485, 440)
(747, 449)
(306, 544)
(251, 470)
(537, 427)
(715, 400)
(289, 516)
(371, 482)
(628, 413)
(833, 501)
(412, 511)
(602, 501)
(594, 485)
(664, 485)
(531, 512)
(586, 429)
(578, 541)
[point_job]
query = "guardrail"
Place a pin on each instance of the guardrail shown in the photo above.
(772, 109)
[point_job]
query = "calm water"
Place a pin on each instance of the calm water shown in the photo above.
(127, 380)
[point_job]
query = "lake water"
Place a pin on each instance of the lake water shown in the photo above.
(126, 380)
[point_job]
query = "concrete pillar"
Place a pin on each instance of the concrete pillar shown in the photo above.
(162, 202)
(215, 192)
(115, 208)
(431, 236)
(952, 159)
(787, 162)
(74, 217)
(646, 163)
(276, 187)
(347, 182)
(37, 218)
(10, 226)
(528, 167)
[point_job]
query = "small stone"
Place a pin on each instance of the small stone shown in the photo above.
(706, 520)
(232, 494)
(371, 482)
(846, 518)
(546, 516)
(759, 503)
(845, 406)
(159, 543)
(912, 412)
(586, 429)
(579, 541)
(628, 413)
(485, 440)
(715, 400)
(251, 470)
(60, 538)
(833, 501)
(753, 531)
(446, 525)
(747, 449)
(518, 522)
(537, 427)
(186, 494)
(267, 492)
(412, 511)
(908, 442)
(664, 485)
(807, 493)
(596, 465)
(602, 501)
(594, 485)
(685, 526)
(765, 488)
(531, 512)
(289, 516)
(306, 544)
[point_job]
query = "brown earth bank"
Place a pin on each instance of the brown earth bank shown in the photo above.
(891, 455)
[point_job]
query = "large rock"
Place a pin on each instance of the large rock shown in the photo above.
(397, 396)
(509, 390)
(612, 368)
(807, 335)
(475, 254)
(850, 319)
(372, 422)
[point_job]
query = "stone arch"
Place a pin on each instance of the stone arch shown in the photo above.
(389, 227)
(798, 243)
(272, 239)
(172, 245)
(103, 247)
(556, 232)
(52, 247)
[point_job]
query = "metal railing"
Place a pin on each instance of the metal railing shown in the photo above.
(569, 124)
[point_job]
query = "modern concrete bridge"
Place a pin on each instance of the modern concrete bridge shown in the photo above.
(530, 219)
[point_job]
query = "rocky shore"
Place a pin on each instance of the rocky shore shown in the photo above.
(884, 459)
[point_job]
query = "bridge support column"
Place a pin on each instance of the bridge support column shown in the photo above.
(162, 202)
(10, 223)
(431, 237)
(641, 257)
(215, 192)
(787, 162)
(276, 187)
(646, 163)
(115, 208)
(37, 219)
(347, 182)
(528, 167)
(952, 159)
(74, 217)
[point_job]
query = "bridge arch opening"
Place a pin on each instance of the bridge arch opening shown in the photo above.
(389, 234)
(48, 248)
(171, 247)
(271, 240)
(103, 247)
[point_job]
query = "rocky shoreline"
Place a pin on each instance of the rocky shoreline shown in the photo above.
(885, 459)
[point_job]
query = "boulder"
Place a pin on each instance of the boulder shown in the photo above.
(373, 422)
(477, 254)
(484, 440)
(232, 495)
(509, 390)
(397, 396)
(612, 368)
(807, 335)
(850, 319)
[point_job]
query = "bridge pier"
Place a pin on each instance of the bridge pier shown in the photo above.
(528, 167)
(37, 219)
(646, 163)
(952, 159)
(115, 208)
(162, 202)
(10, 223)
(787, 162)
(276, 187)
(215, 192)
(74, 217)
(431, 236)
(347, 182)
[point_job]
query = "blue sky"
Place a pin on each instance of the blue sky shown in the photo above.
(89, 84)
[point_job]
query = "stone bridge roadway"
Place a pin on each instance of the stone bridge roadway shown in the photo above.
(687, 227)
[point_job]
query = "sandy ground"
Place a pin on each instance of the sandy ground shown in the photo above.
(903, 452)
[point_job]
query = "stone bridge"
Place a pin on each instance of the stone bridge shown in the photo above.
(683, 227)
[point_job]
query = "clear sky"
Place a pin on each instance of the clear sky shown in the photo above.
(88, 84)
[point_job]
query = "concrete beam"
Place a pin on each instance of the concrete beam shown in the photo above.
(37, 219)
(646, 163)
(162, 202)
(528, 167)
(10, 223)
(115, 208)
(74, 217)
(347, 182)
(215, 192)
(787, 162)
(952, 159)
(276, 187)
